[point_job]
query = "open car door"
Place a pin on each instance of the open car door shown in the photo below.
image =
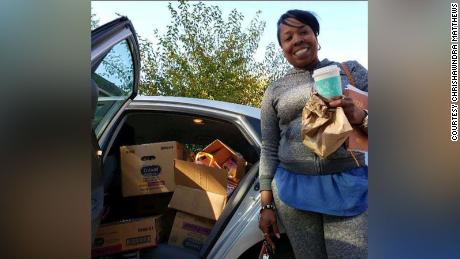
(115, 64)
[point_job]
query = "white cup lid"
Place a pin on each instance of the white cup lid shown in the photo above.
(326, 70)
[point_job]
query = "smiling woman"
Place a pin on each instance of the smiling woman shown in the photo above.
(321, 201)
(305, 53)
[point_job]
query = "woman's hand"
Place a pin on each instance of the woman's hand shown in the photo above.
(267, 219)
(355, 115)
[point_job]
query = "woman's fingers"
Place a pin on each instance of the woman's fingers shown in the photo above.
(276, 230)
(354, 114)
(265, 227)
(342, 102)
(335, 103)
(268, 219)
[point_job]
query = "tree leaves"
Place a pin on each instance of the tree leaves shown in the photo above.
(204, 56)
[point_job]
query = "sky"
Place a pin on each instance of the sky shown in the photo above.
(343, 24)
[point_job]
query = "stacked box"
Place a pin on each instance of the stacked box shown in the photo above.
(127, 235)
(200, 197)
(190, 231)
(149, 168)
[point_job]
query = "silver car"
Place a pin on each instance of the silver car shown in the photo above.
(123, 118)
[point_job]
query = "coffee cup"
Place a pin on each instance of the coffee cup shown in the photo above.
(327, 81)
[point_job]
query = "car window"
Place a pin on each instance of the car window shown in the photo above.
(115, 78)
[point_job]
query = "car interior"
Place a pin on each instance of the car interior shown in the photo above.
(141, 127)
(113, 74)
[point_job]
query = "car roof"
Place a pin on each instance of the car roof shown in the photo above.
(226, 106)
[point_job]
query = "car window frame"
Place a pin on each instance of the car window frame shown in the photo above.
(103, 39)
(113, 110)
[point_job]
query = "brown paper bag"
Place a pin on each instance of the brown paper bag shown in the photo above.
(323, 130)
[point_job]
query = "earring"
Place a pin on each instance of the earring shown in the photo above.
(319, 46)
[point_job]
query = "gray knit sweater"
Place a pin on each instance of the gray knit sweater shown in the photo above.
(281, 118)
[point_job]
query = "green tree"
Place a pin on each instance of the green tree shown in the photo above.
(202, 55)
(274, 64)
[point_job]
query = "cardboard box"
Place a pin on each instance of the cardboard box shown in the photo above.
(149, 168)
(200, 190)
(222, 153)
(190, 231)
(127, 235)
